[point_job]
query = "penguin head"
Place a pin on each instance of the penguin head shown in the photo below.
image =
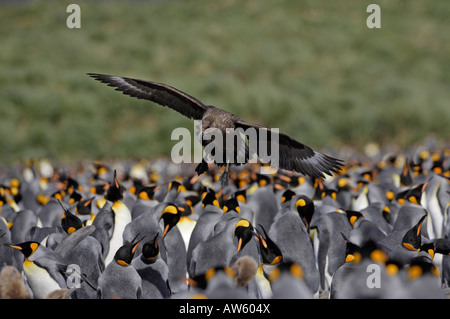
(244, 232)
(351, 251)
(146, 192)
(26, 248)
(390, 195)
(401, 196)
(291, 268)
(192, 200)
(429, 248)
(343, 184)
(305, 208)
(281, 182)
(209, 198)
(443, 246)
(412, 239)
(115, 190)
(414, 195)
(393, 267)
(14, 190)
(136, 187)
(420, 266)
(69, 222)
(328, 192)
(124, 255)
(262, 180)
(176, 187)
(406, 177)
(72, 185)
(100, 170)
(170, 215)
(269, 251)
(352, 216)
(231, 204)
(241, 196)
(287, 196)
(99, 188)
(150, 250)
(201, 281)
(75, 197)
(83, 207)
(369, 251)
(298, 180)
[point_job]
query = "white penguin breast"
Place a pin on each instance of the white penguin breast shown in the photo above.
(122, 217)
(40, 281)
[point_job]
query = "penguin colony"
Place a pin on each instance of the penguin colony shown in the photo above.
(376, 229)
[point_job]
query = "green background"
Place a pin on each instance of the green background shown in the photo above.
(311, 68)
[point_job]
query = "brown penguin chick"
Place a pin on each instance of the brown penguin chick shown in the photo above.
(293, 155)
(59, 294)
(245, 269)
(12, 285)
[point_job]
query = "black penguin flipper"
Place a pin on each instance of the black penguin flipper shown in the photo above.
(293, 155)
(159, 93)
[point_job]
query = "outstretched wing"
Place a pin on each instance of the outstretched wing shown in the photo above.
(293, 155)
(159, 93)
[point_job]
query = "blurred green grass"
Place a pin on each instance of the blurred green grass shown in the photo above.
(312, 69)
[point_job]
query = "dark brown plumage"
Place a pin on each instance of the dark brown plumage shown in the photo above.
(293, 155)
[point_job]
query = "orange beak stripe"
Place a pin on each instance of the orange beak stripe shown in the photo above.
(239, 244)
(166, 229)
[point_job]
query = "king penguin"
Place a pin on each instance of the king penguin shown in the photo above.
(264, 204)
(435, 198)
(270, 257)
(83, 210)
(424, 280)
(175, 249)
(288, 282)
(153, 271)
(104, 225)
(151, 223)
(216, 283)
(222, 249)
(331, 245)
(87, 255)
(366, 275)
(8, 257)
(402, 245)
(70, 222)
(209, 216)
(291, 233)
(144, 200)
(120, 280)
(122, 217)
(43, 268)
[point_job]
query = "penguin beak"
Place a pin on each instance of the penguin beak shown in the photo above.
(156, 240)
(135, 247)
(263, 242)
(424, 186)
(13, 246)
(166, 229)
(239, 244)
(260, 238)
(135, 242)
